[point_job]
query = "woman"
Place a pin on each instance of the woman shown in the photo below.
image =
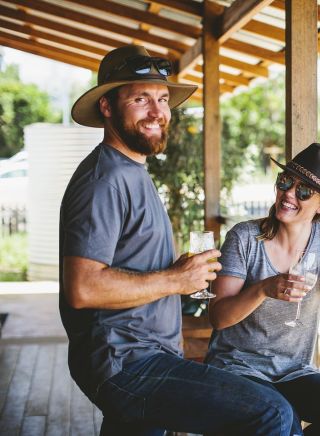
(256, 294)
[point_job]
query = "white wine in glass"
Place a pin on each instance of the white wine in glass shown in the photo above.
(307, 266)
(200, 242)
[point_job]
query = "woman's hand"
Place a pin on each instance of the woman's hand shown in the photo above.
(286, 287)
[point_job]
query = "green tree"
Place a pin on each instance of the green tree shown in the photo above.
(254, 117)
(20, 104)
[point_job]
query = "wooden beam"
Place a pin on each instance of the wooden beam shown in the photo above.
(278, 4)
(137, 15)
(189, 78)
(301, 75)
(211, 122)
(96, 22)
(155, 9)
(48, 51)
(255, 70)
(266, 30)
(35, 33)
(30, 19)
(233, 78)
(255, 51)
(190, 7)
(190, 57)
(236, 16)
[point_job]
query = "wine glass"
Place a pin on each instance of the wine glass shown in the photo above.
(199, 242)
(307, 266)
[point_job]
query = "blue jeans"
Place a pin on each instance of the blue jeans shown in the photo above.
(303, 394)
(167, 392)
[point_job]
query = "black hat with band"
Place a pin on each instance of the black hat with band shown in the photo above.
(305, 165)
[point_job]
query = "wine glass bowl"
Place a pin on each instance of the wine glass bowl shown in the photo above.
(308, 267)
(200, 242)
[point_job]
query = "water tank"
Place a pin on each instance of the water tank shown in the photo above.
(54, 152)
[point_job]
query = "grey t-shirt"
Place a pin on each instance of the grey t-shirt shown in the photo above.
(111, 213)
(262, 345)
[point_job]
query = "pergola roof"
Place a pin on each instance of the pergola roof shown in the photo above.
(251, 33)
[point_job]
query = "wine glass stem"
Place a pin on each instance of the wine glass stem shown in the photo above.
(298, 311)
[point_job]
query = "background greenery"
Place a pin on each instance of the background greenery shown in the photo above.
(20, 105)
(13, 257)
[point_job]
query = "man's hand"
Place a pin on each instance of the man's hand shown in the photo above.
(193, 273)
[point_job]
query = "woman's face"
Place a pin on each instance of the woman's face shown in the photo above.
(289, 209)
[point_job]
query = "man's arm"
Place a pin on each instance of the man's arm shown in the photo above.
(91, 284)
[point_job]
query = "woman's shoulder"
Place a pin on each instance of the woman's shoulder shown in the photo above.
(248, 228)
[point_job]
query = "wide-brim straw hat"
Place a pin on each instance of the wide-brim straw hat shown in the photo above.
(86, 109)
(305, 165)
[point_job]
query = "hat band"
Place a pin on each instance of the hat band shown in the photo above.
(304, 171)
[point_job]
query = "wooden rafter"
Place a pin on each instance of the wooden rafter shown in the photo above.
(96, 22)
(70, 29)
(145, 17)
(190, 7)
(224, 26)
(238, 15)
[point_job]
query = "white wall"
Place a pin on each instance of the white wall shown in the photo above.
(54, 151)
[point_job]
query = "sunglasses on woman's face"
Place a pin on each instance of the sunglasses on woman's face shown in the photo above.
(142, 65)
(285, 182)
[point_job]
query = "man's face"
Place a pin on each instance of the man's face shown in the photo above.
(141, 117)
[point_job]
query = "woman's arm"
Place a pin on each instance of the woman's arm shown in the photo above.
(232, 306)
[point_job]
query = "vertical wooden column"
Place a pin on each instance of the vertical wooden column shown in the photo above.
(211, 118)
(301, 75)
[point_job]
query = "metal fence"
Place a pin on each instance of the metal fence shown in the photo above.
(12, 220)
(248, 209)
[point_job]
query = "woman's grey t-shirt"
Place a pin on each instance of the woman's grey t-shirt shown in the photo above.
(112, 213)
(262, 345)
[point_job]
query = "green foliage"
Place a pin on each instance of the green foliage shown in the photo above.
(178, 175)
(20, 105)
(13, 257)
(251, 121)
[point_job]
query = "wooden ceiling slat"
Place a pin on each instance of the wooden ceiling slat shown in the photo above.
(278, 4)
(75, 31)
(97, 23)
(35, 33)
(266, 30)
(223, 87)
(255, 51)
(190, 57)
(137, 15)
(48, 51)
(237, 15)
(255, 70)
(190, 7)
(229, 78)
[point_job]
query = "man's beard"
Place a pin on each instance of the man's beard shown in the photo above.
(137, 141)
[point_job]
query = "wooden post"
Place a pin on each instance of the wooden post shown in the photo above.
(301, 75)
(211, 122)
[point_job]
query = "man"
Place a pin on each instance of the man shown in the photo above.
(120, 284)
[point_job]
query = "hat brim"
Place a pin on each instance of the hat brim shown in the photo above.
(297, 174)
(86, 112)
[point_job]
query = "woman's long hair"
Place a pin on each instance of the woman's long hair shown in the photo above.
(270, 225)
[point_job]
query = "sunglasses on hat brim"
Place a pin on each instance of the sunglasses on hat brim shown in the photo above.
(141, 65)
(285, 182)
